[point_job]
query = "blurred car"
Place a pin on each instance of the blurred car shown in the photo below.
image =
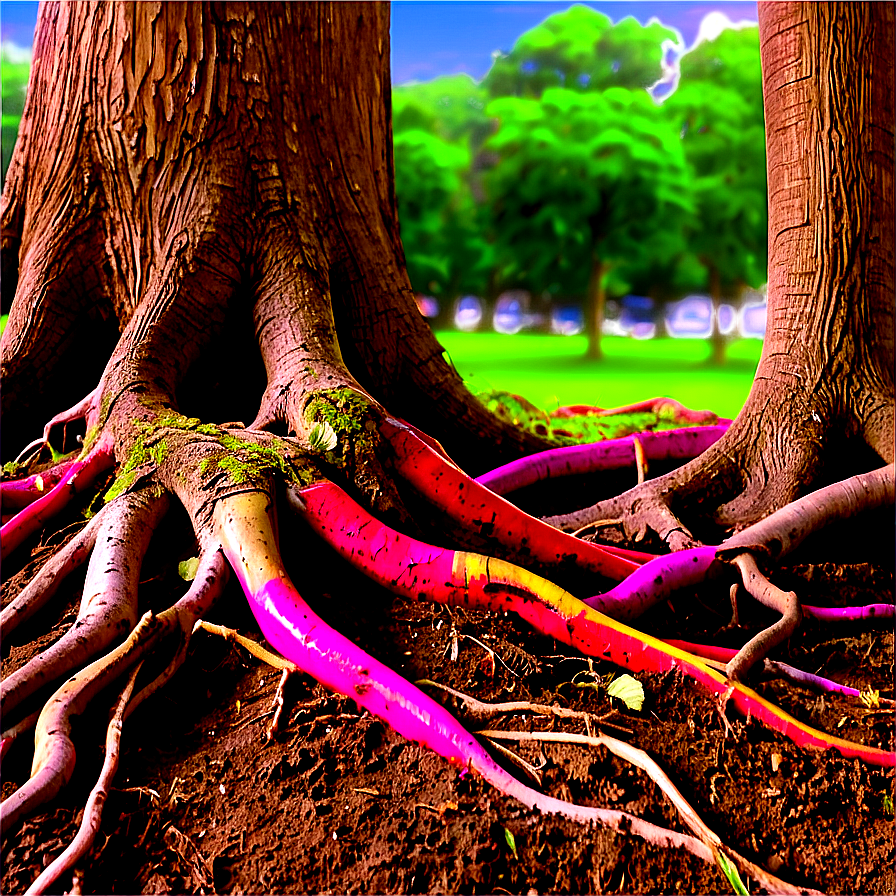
(690, 318)
(513, 313)
(753, 316)
(428, 306)
(567, 320)
(468, 313)
(638, 316)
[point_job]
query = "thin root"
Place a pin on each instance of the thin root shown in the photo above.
(688, 814)
(785, 602)
(93, 811)
(229, 634)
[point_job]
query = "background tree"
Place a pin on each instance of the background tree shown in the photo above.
(451, 107)
(718, 106)
(438, 127)
(581, 49)
(583, 182)
(441, 226)
(14, 75)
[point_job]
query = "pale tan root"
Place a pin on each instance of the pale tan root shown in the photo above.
(93, 811)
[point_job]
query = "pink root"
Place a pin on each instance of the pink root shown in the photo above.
(79, 476)
(611, 454)
(18, 493)
(648, 406)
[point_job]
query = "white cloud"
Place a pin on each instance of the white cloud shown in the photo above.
(14, 53)
(715, 22)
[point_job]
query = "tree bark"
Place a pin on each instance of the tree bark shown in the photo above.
(199, 152)
(825, 377)
(595, 305)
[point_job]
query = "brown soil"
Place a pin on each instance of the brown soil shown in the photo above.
(337, 803)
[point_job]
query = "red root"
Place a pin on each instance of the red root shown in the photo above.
(78, 477)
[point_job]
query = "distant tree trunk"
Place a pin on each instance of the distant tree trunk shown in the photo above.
(595, 307)
(823, 394)
(717, 339)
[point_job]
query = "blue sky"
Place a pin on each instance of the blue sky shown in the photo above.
(447, 36)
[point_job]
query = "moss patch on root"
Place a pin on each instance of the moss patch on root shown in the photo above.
(240, 458)
(346, 411)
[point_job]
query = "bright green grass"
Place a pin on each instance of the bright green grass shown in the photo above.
(552, 370)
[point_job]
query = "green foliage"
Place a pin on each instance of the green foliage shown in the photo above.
(582, 177)
(730, 872)
(441, 225)
(187, 569)
(718, 110)
(580, 49)
(580, 429)
(451, 108)
(627, 689)
(438, 128)
(14, 76)
(510, 840)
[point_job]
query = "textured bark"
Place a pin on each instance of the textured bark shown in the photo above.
(826, 371)
(178, 162)
(823, 392)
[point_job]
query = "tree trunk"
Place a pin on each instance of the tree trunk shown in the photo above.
(224, 155)
(717, 339)
(825, 377)
(822, 402)
(595, 305)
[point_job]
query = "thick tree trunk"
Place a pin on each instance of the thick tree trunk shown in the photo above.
(823, 394)
(595, 306)
(826, 372)
(222, 155)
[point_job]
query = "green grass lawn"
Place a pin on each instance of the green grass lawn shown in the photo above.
(552, 370)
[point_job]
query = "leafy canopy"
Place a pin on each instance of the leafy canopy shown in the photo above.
(582, 177)
(718, 109)
(580, 49)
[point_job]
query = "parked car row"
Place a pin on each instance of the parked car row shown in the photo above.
(641, 317)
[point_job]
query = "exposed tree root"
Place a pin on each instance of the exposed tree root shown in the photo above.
(222, 206)
(51, 575)
(108, 608)
(93, 811)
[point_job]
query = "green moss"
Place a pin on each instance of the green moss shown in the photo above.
(344, 409)
(348, 413)
(581, 428)
(145, 451)
(242, 460)
(93, 433)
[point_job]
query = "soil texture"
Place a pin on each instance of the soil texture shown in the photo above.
(335, 802)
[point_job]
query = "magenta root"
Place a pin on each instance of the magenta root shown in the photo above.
(851, 614)
(453, 492)
(648, 406)
(612, 454)
(18, 493)
(79, 476)
(655, 582)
